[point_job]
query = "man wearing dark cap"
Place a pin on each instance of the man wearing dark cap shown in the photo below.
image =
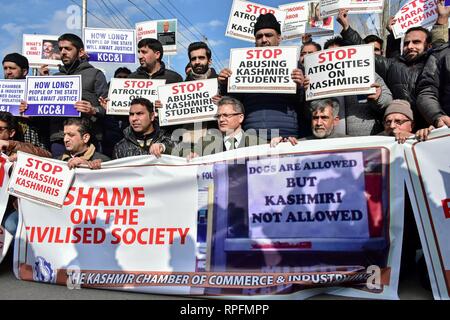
(16, 67)
(274, 112)
(94, 86)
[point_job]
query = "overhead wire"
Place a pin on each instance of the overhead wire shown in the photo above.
(92, 14)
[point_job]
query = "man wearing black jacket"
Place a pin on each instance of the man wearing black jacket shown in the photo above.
(150, 52)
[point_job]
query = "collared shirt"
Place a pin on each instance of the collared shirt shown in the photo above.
(227, 140)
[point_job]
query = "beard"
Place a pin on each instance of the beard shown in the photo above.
(200, 69)
(321, 133)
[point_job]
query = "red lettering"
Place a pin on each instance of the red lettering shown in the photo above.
(446, 208)
(187, 87)
(339, 54)
(263, 53)
(254, 9)
(46, 166)
(138, 84)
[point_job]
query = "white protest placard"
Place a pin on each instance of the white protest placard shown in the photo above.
(110, 45)
(428, 186)
(163, 30)
(187, 102)
(331, 7)
(243, 15)
(41, 49)
(122, 91)
(340, 72)
(413, 14)
(264, 69)
(317, 25)
(11, 93)
(53, 96)
(42, 180)
(306, 194)
(296, 19)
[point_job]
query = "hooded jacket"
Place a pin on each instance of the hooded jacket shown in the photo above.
(163, 73)
(94, 85)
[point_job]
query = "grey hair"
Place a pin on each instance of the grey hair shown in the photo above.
(320, 105)
(238, 107)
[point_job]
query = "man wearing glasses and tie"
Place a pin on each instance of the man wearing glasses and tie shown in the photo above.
(230, 135)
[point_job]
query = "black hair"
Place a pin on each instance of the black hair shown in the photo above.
(426, 31)
(145, 102)
(122, 70)
(84, 125)
(335, 41)
(312, 43)
(199, 45)
(12, 124)
(373, 38)
(153, 44)
(73, 39)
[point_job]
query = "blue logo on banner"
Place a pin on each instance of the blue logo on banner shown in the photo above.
(43, 271)
(112, 57)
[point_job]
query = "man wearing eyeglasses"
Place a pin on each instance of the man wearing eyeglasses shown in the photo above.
(399, 122)
(230, 116)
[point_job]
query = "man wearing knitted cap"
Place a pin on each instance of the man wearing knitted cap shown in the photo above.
(274, 112)
(399, 122)
(16, 67)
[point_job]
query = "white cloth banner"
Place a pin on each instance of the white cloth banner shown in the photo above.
(134, 225)
(429, 190)
(5, 236)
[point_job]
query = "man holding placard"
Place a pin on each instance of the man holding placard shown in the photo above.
(274, 112)
(401, 73)
(94, 86)
(16, 67)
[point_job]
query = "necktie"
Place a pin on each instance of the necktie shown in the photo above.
(232, 141)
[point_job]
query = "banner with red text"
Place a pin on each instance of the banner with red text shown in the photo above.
(242, 19)
(429, 190)
(42, 180)
(413, 14)
(207, 227)
(122, 91)
(187, 102)
(41, 49)
(340, 72)
(263, 70)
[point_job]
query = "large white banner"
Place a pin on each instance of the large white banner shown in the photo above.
(264, 69)
(41, 49)
(331, 7)
(340, 72)
(163, 30)
(243, 15)
(140, 224)
(429, 190)
(413, 14)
